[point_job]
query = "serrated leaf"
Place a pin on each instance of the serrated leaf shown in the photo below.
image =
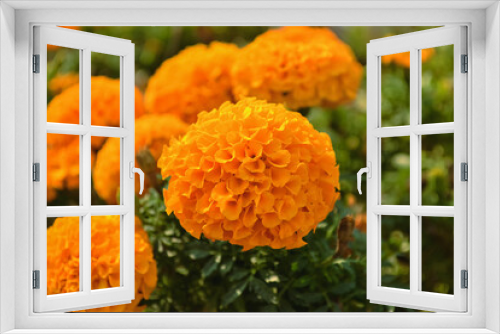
(234, 292)
(262, 290)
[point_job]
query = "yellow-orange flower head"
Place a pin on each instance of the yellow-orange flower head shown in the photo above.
(251, 173)
(63, 259)
(63, 164)
(196, 79)
(105, 105)
(299, 67)
(151, 133)
(63, 81)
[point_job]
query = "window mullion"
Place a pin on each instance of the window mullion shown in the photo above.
(414, 171)
(85, 237)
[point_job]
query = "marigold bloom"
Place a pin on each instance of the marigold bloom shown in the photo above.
(63, 259)
(251, 173)
(105, 105)
(196, 79)
(360, 222)
(61, 82)
(63, 164)
(299, 67)
(151, 133)
(403, 58)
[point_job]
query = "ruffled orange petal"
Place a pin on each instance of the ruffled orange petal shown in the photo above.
(270, 220)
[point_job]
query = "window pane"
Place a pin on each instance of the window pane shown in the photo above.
(437, 169)
(395, 266)
(106, 172)
(395, 89)
(437, 84)
(105, 248)
(105, 89)
(395, 179)
(63, 255)
(63, 93)
(437, 254)
(63, 169)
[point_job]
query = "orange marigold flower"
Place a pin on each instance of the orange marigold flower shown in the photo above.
(151, 133)
(360, 222)
(61, 82)
(63, 259)
(403, 58)
(251, 173)
(196, 79)
(63, 164)
(105, 105)
(299, 67)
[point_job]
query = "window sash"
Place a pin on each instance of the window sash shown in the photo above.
(85, 43)
(414, 298)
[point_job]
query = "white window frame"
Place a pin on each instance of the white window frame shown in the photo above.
(413, 43)
(84, 43)
(483, 21)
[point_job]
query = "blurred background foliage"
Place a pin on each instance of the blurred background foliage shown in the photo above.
(329, 273)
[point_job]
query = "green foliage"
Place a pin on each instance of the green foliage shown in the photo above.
(200, 275)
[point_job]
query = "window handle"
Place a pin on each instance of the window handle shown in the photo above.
(368, 171)
(133, 170)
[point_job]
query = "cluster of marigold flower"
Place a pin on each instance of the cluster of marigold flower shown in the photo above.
(218, 121)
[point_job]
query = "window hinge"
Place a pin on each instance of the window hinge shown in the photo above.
(36, 63)
(36, 279)
(36, 172)
(465, 64)
(464, 171)
(464, 279)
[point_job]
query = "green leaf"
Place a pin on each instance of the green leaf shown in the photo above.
(269, 276)
(171, 253)
(263, 290)
(210, 266)
(310, 298)
(234, 292)
(343, 288)
(269, 308)
(238, 273)
(302, 281)
(284, 306)
(197, 254)
(182, 270)
(226, 266)
(322, 308)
